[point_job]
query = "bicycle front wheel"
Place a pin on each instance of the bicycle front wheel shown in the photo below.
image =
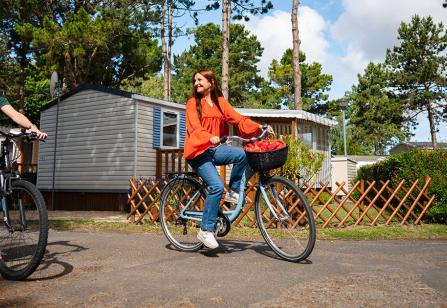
(182, 194)
(285, 219)
(22, 246)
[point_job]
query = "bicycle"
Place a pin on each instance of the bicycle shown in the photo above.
(282, 211)
(24, 235)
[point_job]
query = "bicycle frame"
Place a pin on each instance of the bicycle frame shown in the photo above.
(6, 176)
(232, 215)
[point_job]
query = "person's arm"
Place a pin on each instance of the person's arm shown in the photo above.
(22, 120)
(244, 124)
(199, 137)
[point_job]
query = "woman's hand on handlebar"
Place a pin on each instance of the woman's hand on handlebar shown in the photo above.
(215, 140)
(268, 128)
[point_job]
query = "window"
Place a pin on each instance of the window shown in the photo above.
(322, 139)
(305, 134)
(169, 129)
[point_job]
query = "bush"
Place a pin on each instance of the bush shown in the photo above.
(412, 165)
(302, 163)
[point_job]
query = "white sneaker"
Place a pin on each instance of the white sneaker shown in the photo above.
(232, 197)
(207, 238)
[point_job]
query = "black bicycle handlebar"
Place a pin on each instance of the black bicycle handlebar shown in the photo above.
(30, 136)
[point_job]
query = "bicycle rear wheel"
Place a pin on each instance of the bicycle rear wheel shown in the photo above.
(291, 232)
(22, 248)
(180, 193)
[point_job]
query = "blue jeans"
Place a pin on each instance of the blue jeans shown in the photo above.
(205, 165)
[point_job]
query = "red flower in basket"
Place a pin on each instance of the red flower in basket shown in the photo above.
(265, 145)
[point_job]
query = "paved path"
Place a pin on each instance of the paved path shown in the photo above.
(96, 269)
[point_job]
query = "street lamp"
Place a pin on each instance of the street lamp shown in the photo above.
(343, 105)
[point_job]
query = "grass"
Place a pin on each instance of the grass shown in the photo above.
(393, 232)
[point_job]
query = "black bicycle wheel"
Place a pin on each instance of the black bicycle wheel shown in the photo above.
(23, 246)
(180, 193)
(291, 232)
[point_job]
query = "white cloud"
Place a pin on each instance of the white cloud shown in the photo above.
(275, 34)
(368, 28)
(361, 34)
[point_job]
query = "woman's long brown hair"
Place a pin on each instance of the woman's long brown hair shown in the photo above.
(215, 90)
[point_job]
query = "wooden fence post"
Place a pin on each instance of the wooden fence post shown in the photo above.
(158, 162)
(362, 191)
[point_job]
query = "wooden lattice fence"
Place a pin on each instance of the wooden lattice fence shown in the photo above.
(366, 203)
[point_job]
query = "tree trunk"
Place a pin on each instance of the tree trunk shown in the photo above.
(71, 70)
(432, 125)
(164, 52)
(226, 12)
(296, 56)
(169, 49)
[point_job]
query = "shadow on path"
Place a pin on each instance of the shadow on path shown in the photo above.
(232, 246)
(52, 266)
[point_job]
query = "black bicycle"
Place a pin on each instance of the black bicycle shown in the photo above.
(23, 237)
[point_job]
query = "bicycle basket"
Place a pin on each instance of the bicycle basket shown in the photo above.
(268, 160)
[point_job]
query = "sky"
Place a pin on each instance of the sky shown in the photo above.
(342, 35)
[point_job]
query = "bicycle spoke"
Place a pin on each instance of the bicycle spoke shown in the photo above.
(180, 197)
(23, 246)
(285, 219)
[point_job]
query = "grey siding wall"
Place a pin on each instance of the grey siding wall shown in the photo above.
(95, 143)
(146, 156)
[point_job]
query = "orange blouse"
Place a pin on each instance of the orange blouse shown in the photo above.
(214, 123)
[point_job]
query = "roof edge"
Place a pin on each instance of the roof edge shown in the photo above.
(88, 86)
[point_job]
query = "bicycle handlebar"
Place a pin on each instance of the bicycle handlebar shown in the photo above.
(225, 139)
(22, 132)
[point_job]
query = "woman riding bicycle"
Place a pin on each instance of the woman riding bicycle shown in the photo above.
(207, 117)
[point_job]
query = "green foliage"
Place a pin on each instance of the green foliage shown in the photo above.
(245, 51)
(418, 68)
(412, 165)
(37, 87)
(376, 116)
(302, 163)
(102, 45)
(314, 84)
(354, 146)
(149, 85)
(242, 9)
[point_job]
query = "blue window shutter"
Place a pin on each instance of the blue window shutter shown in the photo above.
(156, 127)
(182, 129)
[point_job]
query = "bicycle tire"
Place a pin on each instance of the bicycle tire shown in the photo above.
(181, 233)
(293, 237)
(21, 251)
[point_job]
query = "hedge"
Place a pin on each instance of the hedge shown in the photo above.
(412, 165)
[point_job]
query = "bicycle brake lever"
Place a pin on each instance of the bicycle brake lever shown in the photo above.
(223, 139)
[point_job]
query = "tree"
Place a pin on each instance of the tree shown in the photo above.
(239, 9)
(102, 45)
(376, 115)
(418, 69)
(17, 21)
(315, 85)
(169, 8)
(149, 85)
(207, 53)
(296, 56)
